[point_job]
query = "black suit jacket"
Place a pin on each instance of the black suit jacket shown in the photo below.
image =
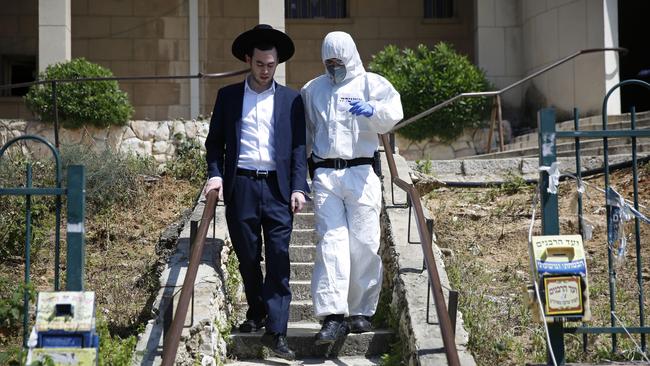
(223, 142)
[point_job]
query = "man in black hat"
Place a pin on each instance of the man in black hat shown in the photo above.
(256, 158)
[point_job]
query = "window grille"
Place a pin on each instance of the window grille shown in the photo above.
(439, 9)
(305, 9)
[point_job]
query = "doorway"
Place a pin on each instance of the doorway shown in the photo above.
(633, 35)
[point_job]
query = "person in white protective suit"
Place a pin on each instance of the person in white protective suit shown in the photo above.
(345, 110)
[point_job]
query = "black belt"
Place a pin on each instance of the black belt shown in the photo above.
(342, 163)
(257, 174)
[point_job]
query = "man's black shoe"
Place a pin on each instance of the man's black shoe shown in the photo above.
(334, 327)
(277, 344)
(360, 324)
(250, 325)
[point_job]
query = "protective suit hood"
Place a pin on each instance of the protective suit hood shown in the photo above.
(341, 45)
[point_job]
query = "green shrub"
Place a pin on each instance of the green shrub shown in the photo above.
(111, 177)
(12, 209)
(113, 350)
(425, 78)
(188, 162)
(11, 304)
(97, 103)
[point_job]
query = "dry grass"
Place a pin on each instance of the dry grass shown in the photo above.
(487, 230)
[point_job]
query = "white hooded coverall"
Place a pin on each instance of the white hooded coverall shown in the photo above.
(348, 271)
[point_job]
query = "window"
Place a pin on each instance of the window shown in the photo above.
(15, 69)
(301, 9)
(439, 9)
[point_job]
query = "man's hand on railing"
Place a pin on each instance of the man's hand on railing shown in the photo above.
(215, 183)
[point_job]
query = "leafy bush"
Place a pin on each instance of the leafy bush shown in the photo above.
(97, 103)
(113, 350)
(12, 209)
(111, 177)
(11, 303)
(188, 162)
(425, 78)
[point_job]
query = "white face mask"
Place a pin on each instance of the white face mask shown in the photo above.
(337, 73)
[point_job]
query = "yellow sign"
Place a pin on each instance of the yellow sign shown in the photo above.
(78, 314)
(66, 356)
(563, 295)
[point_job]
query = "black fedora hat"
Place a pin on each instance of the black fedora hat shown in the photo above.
(263, 33)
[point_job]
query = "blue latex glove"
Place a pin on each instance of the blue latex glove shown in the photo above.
(361, 108)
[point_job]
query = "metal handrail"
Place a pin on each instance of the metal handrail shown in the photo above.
(446, 328)
(444, 319)
(173, 337)
(495, 93)
(54, 83)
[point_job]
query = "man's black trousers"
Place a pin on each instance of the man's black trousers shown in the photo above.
(256, 214)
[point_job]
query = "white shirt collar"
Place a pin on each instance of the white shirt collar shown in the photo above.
(248, 89)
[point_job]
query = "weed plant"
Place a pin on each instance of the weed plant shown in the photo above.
(188, 162)
(111, 178)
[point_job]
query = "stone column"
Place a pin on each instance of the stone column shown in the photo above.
(54, 28)
(194, 56)
(272, 13)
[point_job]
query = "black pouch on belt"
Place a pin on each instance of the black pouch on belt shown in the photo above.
(376, 163)
(310, 167)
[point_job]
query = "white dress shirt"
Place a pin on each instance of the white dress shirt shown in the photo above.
(257, 151)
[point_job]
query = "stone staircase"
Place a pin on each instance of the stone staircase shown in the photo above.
(355, 349)
(525, 146)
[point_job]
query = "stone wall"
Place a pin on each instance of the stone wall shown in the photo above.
(471, 142)
(157, 139)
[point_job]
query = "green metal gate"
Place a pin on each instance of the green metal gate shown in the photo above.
(550, 220)
(75, 193)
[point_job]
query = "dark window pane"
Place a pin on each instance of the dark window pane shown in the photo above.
(296, 9)
(438, 8)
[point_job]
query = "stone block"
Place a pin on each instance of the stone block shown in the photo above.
(572, 26)
(111, 7)
(144, 130)
(177, 128)
(394, 27)
(145, 49)
(175, 27)
(134, 27)
(163, 147)
(491, 51)
(162, 93)
(110, 49)
(507, 13)
(491, 167)
(92, 26)
(486, 13)
(240, 8)
(157, 7)
(114, 139)
(162, 132)
(136, 146)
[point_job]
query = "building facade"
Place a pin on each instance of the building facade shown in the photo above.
(508, 39)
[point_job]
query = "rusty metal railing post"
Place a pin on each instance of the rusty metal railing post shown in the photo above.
(170, 345)
(448, 337)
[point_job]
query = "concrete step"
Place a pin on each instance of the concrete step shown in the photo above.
(303, 237)
(301, 311)
(302, 253)
(301, 340)
(303, 220)
(300, 271)
(530, 139)
(337, 361)
(300, 290)
(617, 122)
(585, 145)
